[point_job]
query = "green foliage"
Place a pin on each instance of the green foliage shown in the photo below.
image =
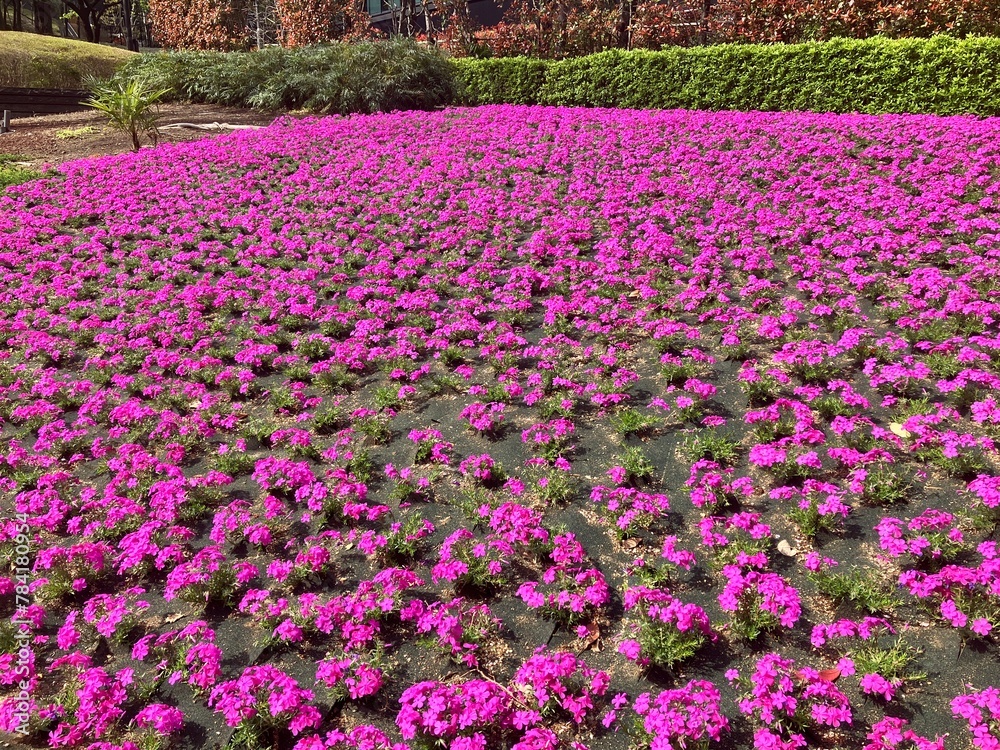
(664, 644)
(12, 173)
(866, 589)
(939, 75)
(402, 543)
(129, 106)
(342, 78)
(282, 399)
(631, 421)
(810, 521)
(762, 391)
(330, 420)
(235, 463)
(675, 373)
(749, 621)
(966, 465)
(894, 662)
(386, 398)
(376, 427)
(259, 430)
(336, 379)
(707, 444)
(554, 487)
(636, 464)
(509, 80)
(831, 405)
(885, 484)
(362, 466)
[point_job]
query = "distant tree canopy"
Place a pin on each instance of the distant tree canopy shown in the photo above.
(200, 24)
(304, 22)
(565, 28)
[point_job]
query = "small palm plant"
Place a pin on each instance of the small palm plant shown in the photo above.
(130, 106)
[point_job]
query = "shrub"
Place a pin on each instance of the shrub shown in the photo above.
(13, 173)
(939, 75)
(129, 106)
(510, 80)
(341, 78)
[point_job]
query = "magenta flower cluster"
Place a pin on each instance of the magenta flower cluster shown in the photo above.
(257, 390)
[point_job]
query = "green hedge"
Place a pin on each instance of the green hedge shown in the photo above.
(505, 80)
(939, 75)
(340, 78)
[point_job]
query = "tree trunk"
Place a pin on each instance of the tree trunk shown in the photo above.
(88, 30)
(409, 11)
(127, 22)
(428, 26)
(17, 16)
(43, 17)
(89, 13)
(562, 33)
(624, 22)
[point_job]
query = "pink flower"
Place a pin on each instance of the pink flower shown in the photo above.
(162, 718)
(630, 649)
(876, 684)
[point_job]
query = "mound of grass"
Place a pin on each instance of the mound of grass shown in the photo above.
(35, 61)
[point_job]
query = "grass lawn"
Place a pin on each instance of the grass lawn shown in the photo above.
(35, 61)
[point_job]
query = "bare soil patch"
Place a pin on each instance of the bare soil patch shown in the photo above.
(54, 139)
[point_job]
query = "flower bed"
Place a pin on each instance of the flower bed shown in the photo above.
(509, 427)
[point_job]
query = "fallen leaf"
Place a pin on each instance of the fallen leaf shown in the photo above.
(899, 430)
(786, 549)
(630, 544)
(173, 617)
(592, 638)
(830, 675)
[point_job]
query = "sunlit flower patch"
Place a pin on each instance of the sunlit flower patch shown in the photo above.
(507, 427)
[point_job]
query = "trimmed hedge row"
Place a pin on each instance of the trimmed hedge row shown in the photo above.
(940, 75)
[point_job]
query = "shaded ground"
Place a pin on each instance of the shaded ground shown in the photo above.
(54, 139)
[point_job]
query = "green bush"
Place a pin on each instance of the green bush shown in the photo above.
(939, 75)
(340, 78)
(129, 106)
(506, 80)
(12, 173)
